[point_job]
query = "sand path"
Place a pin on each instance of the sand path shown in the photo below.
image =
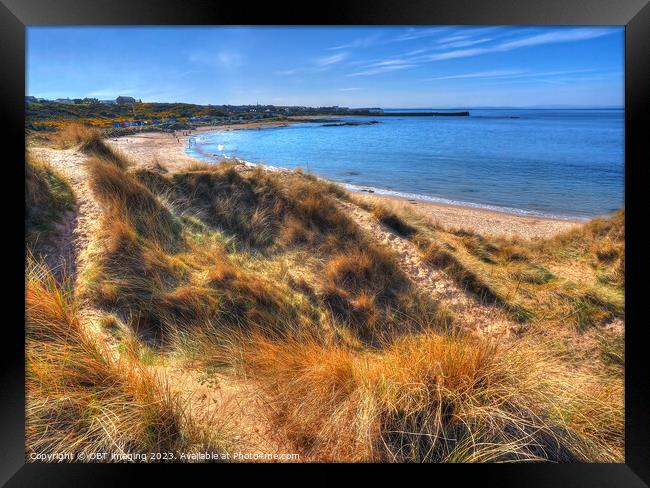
(228, 405)
(473, 315)
(73, 241)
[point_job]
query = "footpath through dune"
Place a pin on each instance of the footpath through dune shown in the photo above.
(474, 316)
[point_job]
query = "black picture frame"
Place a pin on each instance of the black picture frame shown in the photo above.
(15, 15)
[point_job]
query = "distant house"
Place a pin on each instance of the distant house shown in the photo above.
(107, 102)
(124, 100)
(30, 99)
(65, 101)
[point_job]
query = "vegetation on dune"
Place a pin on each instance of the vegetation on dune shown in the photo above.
(88, 140)
(265, 276)
(170, 271)
(576, 278)
(261, 210)
(365, 289)
(175, 250)
(81, 397)
(47, 198)
(437, 398)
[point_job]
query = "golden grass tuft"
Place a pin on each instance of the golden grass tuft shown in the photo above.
(128, 200)
(48, 197)
(263, 211)
(370, 270)
(432, 397)
(81, 397)
(366, 290)
(89, 140)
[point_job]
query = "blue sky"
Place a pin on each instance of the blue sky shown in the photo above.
(383, 66)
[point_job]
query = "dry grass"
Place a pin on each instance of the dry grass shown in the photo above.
(83, 398)
(163, 275)
(261, 210)
(129, 201)
(89, 141)
(576, 278)
(47, 196)
(436, 398)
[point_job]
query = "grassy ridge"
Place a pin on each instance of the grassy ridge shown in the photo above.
(264, 276)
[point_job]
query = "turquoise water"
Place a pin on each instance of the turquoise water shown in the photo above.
(561, 163)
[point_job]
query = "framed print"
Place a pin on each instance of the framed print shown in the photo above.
(364, 235)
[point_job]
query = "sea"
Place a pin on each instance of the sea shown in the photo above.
(566, 164)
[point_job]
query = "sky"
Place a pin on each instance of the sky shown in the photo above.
(369, 66)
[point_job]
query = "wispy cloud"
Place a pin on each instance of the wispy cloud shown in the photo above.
(382, 69)
(558, 77)
(230, 59)
(419, 33)
(416, 57)
(454, 38)
(358, 43)
(221, 59)
(316, 65)
(479, 74)
(389, 62)
(464, 43)
(349, 89)
(517, 74)
(553, 37)
(569, 35)
(330, 60)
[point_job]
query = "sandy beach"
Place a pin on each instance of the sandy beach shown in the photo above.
(168, 150)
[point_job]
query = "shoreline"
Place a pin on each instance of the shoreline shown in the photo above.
(170, 151)
(431, 200)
